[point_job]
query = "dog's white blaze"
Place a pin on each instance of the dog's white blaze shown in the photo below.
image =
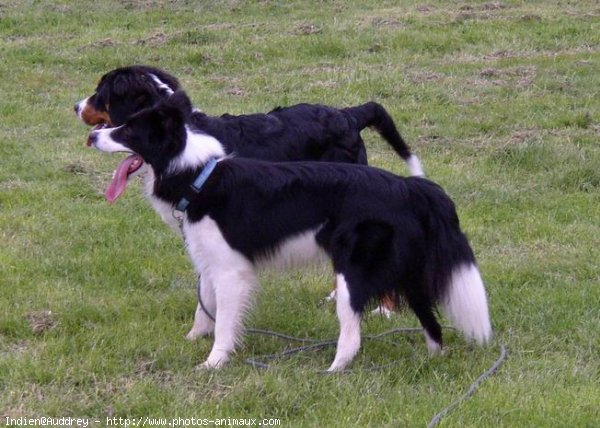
(466, 304)
(80, 106)
(162, 85)
(104, 142)
(199, 148)
(414, 166)
(297, 251)
(233, 278)
(349, 340)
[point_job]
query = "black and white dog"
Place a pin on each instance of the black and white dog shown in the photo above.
(385, 235)
(298, 133)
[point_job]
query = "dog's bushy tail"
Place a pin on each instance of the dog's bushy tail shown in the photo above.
(375, 116)
(465, 304)
(451, 271)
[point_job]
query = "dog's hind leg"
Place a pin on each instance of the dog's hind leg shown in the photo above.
(423, 309)
(203, 324)
(349, 340)
(233, 292)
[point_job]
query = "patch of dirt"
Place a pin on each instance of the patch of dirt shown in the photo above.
(479, 12)
(424, 9)
(496, 5)
(489, 72)
(424, 76)
(308, 28)
(386, 22)
(434, 138)
(519, 76)
(41, 321)
(154, 40)
(144, 366)
(12, 184)
(501, 55)
(236, 91)
(79, 168)
(375, 48)
(142, 5)
(60, 8)
(531, 18)
(147, 368)
(14, 349)
(102, 43)
(483, 7)
(328, 84)
(466, 16)
(523, 135)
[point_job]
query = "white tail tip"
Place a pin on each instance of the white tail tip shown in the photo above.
(414, 166)
(466, 304)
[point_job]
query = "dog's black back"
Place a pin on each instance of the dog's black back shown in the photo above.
(298, 133)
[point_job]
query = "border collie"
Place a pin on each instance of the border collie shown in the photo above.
(297, 133)
(384, 234)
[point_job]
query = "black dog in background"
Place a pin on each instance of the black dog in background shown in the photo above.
(297, 133)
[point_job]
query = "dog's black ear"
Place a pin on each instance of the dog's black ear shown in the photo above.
(173, 111)
(180, 101)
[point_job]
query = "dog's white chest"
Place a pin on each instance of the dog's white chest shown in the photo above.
(164, 209)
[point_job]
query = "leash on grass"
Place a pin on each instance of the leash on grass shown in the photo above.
(472, 388)
(319, 344)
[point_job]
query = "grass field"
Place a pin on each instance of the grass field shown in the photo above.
(499, 99)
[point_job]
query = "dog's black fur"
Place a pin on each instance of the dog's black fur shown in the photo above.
(387, 235)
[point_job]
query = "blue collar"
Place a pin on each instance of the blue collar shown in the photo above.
(196, 186)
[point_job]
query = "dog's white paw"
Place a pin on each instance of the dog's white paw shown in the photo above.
(207, 365)
(433, 347)
(193, 335)
(197, 332)
(216, 360)
(338, 365)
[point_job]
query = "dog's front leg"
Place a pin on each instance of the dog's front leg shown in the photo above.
(233, 291)
(203, 323)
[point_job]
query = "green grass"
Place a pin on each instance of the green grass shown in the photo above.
(501, 102)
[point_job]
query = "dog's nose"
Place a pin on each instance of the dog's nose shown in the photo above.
(76, 108)
(92, 137)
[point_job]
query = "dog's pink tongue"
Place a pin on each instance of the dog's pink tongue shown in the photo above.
(119, 181)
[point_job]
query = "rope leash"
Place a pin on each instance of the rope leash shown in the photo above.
(472, 388)
(258, 362)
